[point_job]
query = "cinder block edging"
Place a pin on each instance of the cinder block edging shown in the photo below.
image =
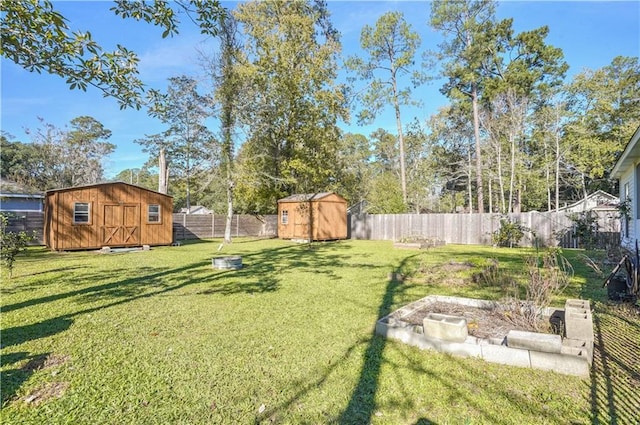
(574, 357)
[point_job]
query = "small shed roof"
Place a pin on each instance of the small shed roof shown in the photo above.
(306, 197)
(629, 156)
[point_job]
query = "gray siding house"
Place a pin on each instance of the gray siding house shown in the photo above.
(627, 171)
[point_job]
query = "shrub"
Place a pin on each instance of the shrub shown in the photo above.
(548, 274)
(509, 234)
(11, 243)
(585, 227)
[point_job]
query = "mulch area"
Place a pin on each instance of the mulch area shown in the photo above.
(481, 323)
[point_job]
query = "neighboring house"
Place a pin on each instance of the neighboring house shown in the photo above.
(196, 209)
(314, 216)
(15, 198)
(597, 200)
(627, 171)
(107, 214)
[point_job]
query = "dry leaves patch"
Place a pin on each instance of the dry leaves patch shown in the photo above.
(481, 322)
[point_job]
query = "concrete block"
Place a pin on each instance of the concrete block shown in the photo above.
(534, 341)
(445, 327)
(506, 355)
(426, 343)
(578, 327)
(463, 349)
(146, 247)
(579, 344)
(576, 303)
(561, 363)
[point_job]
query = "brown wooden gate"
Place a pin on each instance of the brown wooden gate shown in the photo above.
(121, 224)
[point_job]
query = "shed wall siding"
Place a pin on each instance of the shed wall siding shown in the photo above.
(328, 219)
(630, 176)
(118, 217)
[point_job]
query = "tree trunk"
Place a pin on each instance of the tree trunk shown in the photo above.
(557, 171)
(403, 173)
(469, 182)
(163, 173)
(476, 134)
(512, 170)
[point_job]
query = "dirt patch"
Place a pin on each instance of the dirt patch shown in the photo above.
(481, 322)
(45, 392)
(44, 362)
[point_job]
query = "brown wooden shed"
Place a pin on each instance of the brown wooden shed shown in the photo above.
(315, 216)
(107, 214)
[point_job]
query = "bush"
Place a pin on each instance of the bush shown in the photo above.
(509, 234)
(11, 243)
(549, 273)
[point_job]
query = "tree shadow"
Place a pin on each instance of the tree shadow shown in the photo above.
(615, 371)
(361, 406)
(12, 379)
(20, 334)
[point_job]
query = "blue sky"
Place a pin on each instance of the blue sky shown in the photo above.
(590, 34)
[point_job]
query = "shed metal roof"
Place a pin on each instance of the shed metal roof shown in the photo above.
(305, 197)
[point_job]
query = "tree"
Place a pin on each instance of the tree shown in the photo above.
(142, 177)
(85, 148)
(353, 169)
(291, 121)
(606, 108)
(38, 38)
(11, 243)
(227, 95)
(450, 147)
(391, 47)
(464, 55)
(187, 141)
(57, 157)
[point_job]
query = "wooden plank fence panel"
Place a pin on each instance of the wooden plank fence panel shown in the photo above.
(202, 226)
(549, 228)
(27, 221)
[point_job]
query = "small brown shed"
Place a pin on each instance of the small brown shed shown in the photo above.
(107, 214)
(315, 216)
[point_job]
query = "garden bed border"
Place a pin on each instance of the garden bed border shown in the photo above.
(574, 358)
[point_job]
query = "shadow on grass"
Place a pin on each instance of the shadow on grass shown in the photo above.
(362, 404)
(12, 379)
(615, 372)
(263, 273)
(361, 407)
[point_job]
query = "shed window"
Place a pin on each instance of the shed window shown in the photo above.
(153, 213)
(81, 212)
(284, 217)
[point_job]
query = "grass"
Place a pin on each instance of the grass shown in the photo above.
(162, 337)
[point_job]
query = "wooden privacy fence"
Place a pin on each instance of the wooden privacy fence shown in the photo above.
(201, 226)
(27, 221)
(550, 229)
(547, 229)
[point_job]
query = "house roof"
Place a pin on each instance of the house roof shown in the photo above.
(105, 184)
(11, 189)
(306, 197)
(629, 157)
(604, 198)
(199, 209)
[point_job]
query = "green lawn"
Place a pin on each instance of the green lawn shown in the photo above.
(162, 337)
